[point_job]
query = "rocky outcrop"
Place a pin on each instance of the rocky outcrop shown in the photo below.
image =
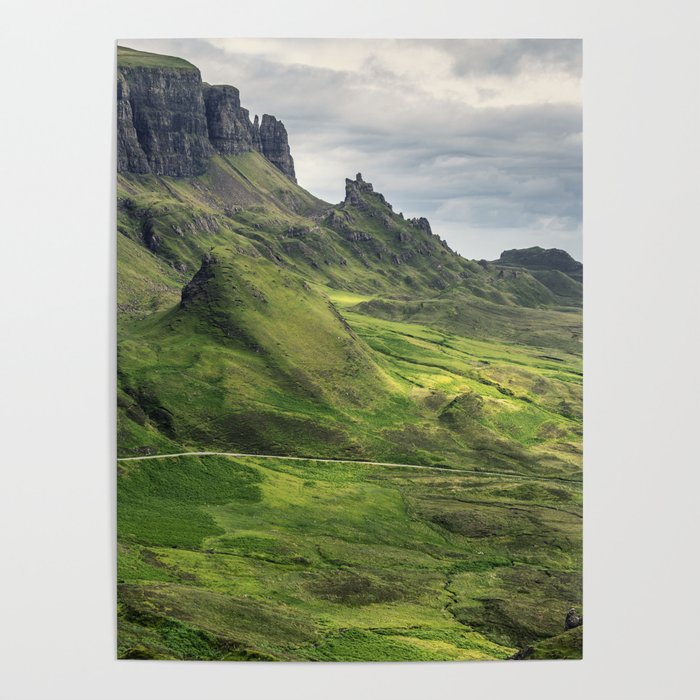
(537, 258)
(421, 223)
(170, 123)
(196, 288)
(354, 189)
(274, 145)
(130, 156)
(161, 125)
(230, 129)
(358, 236)
(573, 619)
(413, 236)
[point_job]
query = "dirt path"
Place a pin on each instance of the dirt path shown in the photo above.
(242, 455)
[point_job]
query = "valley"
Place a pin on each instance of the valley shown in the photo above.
(337, 438)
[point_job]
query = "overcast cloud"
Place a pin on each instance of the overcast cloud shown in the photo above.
(483, 137)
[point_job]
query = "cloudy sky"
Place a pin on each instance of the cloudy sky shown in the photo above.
(483, 137)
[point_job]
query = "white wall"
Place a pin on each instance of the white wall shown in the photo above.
(642, 112)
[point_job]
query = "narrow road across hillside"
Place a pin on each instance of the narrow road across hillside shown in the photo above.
(472, 472)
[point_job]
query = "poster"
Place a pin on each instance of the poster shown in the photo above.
(349, 364)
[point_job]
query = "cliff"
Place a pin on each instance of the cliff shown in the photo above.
(230, 129)
(275, 146)
(170, 123)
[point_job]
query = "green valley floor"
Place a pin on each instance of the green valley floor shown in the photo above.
(244, 557)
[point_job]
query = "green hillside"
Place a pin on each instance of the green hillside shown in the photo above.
(145, 59)
(256, 319)
(271, 559)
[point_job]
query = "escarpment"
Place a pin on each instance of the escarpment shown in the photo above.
(161, 124)
(171, 123)
(230, 129)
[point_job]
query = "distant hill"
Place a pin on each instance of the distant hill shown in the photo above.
(537, 258)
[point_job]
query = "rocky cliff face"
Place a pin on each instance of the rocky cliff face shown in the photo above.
(130, 155)
(163, 109)
(170, 123)
(275, 145)
(230, 129)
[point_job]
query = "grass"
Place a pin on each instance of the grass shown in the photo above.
(304, 560)
(286, 383)
(296, 335)
(133, 58)
(568, 645)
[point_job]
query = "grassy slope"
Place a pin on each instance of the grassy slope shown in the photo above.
(232, 558)
(568, 645)
(132, 57)
(276, 353)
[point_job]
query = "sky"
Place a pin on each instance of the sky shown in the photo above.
(481, 136)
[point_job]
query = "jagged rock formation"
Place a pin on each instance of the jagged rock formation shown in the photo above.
(130, 155)
(170, 123)
(161, 124)
(422, 223)
(275, 145)
(230, 128)
(355, 188)
(196, 288)
(572, 619)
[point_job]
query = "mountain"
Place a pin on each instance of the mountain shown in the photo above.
(255, 318)
(537, 258)
(170, 123)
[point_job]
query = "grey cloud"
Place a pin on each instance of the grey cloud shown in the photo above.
(507, 172)
(513, 56)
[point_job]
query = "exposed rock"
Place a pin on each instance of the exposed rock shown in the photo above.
(230, 129)
(338, 219)
(161, 123)
(150, 238)
(421, 223)
(170, 123)
(356, 236)
(572, 619)
(537, 258)
(523, 654)
(274, 145)
(388, 222)
(130, 156)
(353, 189)
(196, 288)
(297, 231)
(404, 257)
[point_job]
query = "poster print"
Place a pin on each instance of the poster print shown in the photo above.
(349, 374)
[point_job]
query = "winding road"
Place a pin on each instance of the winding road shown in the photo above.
(473, 472)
